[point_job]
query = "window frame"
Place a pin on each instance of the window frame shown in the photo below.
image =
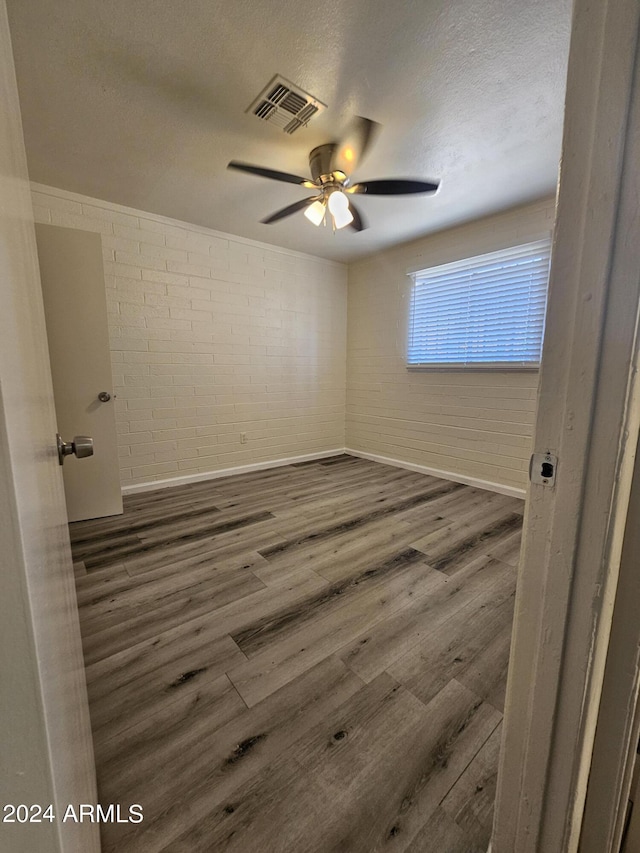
(478, 366)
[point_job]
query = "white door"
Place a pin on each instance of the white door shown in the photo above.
(75, 305)
(46, 752)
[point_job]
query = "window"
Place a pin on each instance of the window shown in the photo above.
(486, 311)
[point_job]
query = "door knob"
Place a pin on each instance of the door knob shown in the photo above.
(104, 396)
(82, 446)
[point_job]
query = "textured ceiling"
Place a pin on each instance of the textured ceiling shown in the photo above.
(142, 102)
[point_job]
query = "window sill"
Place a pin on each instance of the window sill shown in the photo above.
(504, 367)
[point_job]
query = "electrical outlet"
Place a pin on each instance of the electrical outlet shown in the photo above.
(243, 438)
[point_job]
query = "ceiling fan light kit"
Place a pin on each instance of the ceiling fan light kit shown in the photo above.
(331, 166)
(337, 204)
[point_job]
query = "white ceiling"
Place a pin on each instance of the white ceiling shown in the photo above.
(142, 102)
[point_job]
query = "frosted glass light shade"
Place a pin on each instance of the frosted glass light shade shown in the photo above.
(339, 208)
(315, 212)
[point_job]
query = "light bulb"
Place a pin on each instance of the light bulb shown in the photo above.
(315, 212)
(339, 207)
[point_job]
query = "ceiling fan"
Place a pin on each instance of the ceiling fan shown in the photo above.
(331, 166)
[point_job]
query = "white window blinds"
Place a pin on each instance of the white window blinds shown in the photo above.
(487, 310)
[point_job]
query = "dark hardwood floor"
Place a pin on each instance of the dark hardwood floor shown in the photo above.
(308, 659)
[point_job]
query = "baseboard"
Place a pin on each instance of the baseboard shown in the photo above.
(182, 480)
(511, 491)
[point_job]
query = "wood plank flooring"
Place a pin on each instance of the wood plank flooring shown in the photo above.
(308, 659)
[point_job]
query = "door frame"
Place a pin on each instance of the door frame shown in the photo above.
(589, 417)
(618, 728)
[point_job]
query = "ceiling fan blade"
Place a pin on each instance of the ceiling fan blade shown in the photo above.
(394, 186)
(290, 209)
(354, 144)
(270, 173)
(358, 223)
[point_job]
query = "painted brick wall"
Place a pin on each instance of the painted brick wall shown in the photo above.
(471, 424)
(212, 335)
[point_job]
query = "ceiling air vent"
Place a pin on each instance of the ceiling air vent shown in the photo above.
(285, 105)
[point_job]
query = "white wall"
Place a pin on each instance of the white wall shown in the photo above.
(471, 424)
(212, 335)
(45, 748)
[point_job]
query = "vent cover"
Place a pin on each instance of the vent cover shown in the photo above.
(285, 105)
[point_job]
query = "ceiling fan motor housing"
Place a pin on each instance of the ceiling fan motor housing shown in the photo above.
(320, 160)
